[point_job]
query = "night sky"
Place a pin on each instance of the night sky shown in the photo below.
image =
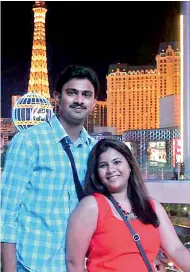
(93, 33)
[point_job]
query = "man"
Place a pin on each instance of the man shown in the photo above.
(38, 192)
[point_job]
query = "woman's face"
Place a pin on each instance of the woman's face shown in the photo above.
(113, 170)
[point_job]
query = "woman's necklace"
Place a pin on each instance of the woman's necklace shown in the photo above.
(129, 215)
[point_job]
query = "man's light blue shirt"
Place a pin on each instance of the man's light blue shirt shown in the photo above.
(38, 193)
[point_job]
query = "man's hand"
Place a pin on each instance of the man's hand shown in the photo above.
(8, 257)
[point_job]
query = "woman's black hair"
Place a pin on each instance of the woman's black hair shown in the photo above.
(136, 189)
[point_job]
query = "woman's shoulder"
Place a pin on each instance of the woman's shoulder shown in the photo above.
(91, 201)
(95, 204)
(87, 207)
(88, 202)
(85, 215)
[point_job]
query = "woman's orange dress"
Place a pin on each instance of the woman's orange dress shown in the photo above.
(112, 247)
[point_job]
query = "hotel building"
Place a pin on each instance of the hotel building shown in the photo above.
(134, 92)
(98, 118)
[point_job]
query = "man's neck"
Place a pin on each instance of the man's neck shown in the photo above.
(73, 130)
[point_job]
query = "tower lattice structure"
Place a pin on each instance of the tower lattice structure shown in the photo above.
(38, 81)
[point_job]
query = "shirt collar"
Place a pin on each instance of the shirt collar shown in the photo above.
(60, 133)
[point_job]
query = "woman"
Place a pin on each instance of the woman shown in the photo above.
(96, 229)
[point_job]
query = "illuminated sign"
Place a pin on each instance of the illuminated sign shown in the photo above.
(31, 109)
(38, 113)
(156, 152)
(132, 146)
(176, 151)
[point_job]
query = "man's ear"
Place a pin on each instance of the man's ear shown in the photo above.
(57, 97)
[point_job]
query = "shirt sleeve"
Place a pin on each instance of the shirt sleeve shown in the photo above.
(19, 163)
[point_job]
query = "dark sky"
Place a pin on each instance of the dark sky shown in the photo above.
(93, 33)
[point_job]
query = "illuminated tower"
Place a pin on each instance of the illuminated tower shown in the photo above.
(132, 98)
(134, 92)
(38, 81)
(98, 117)
(100, 114)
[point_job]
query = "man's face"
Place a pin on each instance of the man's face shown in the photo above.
(77, 101)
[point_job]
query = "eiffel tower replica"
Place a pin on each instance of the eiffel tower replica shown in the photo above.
(38, 81)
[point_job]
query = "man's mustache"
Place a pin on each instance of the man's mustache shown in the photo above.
(73, 106)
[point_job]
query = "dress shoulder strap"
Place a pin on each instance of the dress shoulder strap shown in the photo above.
(152, 204)
(104, 209)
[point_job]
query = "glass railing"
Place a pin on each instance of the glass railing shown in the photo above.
(179, 215)
(165, 173)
